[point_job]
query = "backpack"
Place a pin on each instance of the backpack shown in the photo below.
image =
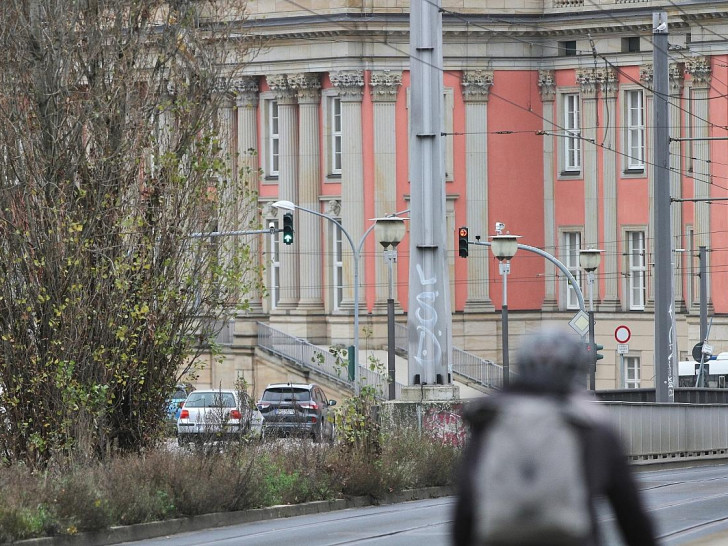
(530, 484)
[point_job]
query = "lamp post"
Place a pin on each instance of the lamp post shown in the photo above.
(504, 247)
(390, 232)
(589, 260)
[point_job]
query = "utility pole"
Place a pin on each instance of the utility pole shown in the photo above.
(429, 320)
(664, 299)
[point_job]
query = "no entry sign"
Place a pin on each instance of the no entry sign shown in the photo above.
(622, 334)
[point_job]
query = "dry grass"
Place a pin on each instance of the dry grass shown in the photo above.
(169, 483)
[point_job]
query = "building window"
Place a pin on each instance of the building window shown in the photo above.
(335, 125)
(567, 48)
(275, 264)
(571, 243)
(273, 140)
(631, 44)
(635, 113)
(637, 269)
(572, 138)
(631, 372)
(337, 266)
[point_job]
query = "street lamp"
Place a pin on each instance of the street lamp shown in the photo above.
(504, 247)
(390, 231)
(589, 260)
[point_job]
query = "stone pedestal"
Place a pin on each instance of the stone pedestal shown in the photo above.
(430, 393)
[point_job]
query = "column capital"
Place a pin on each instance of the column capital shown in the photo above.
(246, 91)
(384, 85)
(608, 82)
(588, 80)
(280, 85)
(476, 85)
(307, 86)
(699, 70)
(647, 75)
(677, 78)
(349, 83)
(547, 85)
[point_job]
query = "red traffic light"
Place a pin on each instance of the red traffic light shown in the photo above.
(463, 232)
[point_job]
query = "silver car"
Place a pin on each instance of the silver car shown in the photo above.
(216, 414)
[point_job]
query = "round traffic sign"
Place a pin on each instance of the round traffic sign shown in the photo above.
(622, 334)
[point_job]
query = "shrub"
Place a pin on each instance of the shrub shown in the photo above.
(163, 484)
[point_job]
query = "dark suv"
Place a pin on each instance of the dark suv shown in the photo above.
(297, 409)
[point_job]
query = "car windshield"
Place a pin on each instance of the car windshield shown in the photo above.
(286, 394)
(179, 394)
(210, 399)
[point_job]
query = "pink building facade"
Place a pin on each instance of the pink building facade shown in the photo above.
(548, 110)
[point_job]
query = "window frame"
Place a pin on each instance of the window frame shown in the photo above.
(266, 151)
(632, 364)
(337, 266)
(336, 136)
(634, 131)
(274, 280)
(636, 268)
(570, 245)
(572, 150)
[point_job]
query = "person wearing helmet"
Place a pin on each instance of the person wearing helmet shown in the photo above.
(540, 453)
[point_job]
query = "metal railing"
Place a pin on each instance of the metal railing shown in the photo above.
(467, 365)
(658, 432)
(318, 359)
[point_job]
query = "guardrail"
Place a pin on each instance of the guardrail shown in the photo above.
(467, 365)
(318, 359)
(669, 432)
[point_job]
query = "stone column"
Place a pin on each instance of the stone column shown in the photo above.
(384, 86)
(699, 70)
(308, 237)
(287, 184)
(676, 90)
(246, 99)
(587, 80)
(476, 87)
(547, 88)
(646, 77)
(226, 214)
(350, 85)
(609, 269)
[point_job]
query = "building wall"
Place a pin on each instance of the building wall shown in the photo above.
(505, 77)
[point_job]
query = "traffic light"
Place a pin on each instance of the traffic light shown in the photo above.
(463, 242)
(288, 228)
(592, 350)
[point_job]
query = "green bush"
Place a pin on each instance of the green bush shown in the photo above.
(163, 483)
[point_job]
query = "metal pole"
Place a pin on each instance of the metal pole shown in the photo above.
(593, 363)
(390, 333)
(702, 255)
(664, 386)
(429, 320)
(505, 268)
